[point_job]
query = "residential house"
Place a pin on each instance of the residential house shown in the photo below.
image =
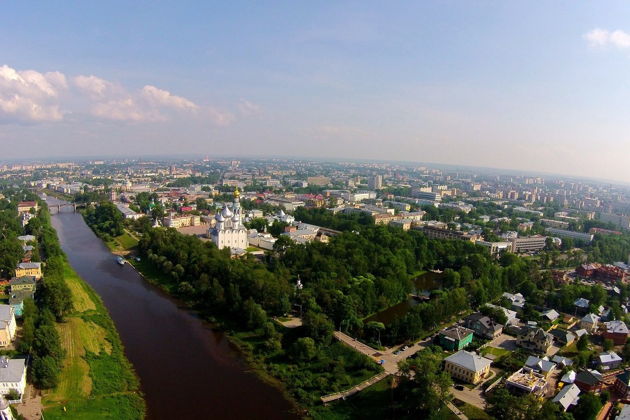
(26, 283)
(517, 300)
(16, 301)
(589, 380)
(467, 366)
(562, 361)
(608, 360)
(29, 269)
(7, 321)
(589, 322)
(534, 339)
(622, 384)
(509, 314)
(455, 338)
(483, 326)
(569, 377)
(581, 305)
(617, 331)
(26, 206)
(551, 314)
(539, 365)
(527, 381)
(563, 337)
(12, 375)
(567, 397)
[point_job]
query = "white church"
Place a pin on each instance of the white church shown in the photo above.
(229, 232)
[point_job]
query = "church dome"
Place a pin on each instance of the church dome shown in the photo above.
(226, 213)
(219, 218)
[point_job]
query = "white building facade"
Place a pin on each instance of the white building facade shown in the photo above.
(229, 231)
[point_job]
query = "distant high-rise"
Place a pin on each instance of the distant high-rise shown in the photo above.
(376, 182)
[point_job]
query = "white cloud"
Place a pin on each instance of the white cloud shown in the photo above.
(92, 85)
(603, 38)
(31, 96)
(248, 108)
(159, 97)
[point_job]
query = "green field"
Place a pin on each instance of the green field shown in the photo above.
(472, 412)
(494, 351)
(97, 381)
(124, 242)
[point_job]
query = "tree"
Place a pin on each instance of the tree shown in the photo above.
(608, 344)
(376, 327)
(583, 342)
(45, 372)
(588, 407)
(305, 348)
(428, 385)
(317, 326)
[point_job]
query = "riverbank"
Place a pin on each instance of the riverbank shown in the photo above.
(97, 380)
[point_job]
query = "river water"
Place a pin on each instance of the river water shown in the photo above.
(187, 370)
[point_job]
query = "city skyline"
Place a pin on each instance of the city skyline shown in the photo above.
(534, 88)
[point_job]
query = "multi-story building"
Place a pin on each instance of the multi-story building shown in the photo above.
(579, 236)
(455, 338)
(12, 375)
(177, 222)
(28, 269)
(528, 244)
(467, 366)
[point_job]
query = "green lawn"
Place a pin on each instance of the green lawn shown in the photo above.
(472, 412)
(495, 351)
(124, 242)
(96, 379)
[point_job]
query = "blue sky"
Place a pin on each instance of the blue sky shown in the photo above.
(518, 85)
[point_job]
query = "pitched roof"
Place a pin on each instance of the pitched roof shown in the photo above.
(568, 377)
(537, 363)
(568, 396)
(581, 302)
(23, 280)
(609, 357)
(562, 360)
(30, 265)
(616, 327)
(589, 377)
(457, 333)
(6, 313)
(590, 318)
(469, 361)
(552, 314)
(11, 370)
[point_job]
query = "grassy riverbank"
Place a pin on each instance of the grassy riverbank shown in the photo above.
(96, 381)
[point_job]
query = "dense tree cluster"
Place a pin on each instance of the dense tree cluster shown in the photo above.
(106, 220)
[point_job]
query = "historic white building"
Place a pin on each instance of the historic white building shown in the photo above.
(229, 232)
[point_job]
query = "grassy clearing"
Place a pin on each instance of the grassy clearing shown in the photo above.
(80, 296)
(495, 351)
(114, 407)
(75, 381)
(96, 381)
(122, 243)
(472, 412)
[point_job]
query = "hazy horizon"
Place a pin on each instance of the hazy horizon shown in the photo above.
(537, 88)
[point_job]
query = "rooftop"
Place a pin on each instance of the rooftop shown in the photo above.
(468, 360)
